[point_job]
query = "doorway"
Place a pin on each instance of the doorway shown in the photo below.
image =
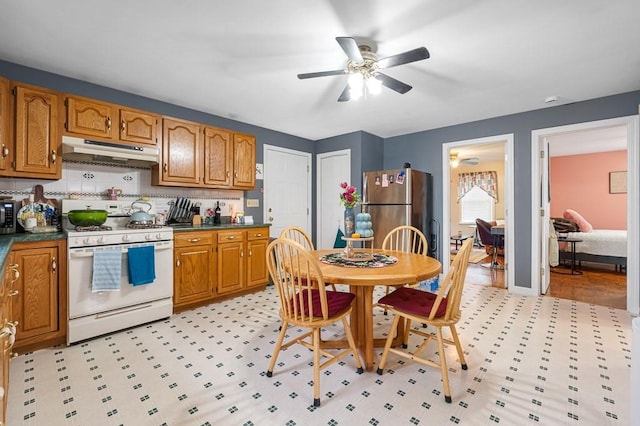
(287, 189)
(333, 168)
(449, 198)
(541, 209)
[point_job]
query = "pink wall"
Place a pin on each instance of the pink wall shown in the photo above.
(581, 183)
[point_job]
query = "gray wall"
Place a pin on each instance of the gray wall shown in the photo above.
(424, 151)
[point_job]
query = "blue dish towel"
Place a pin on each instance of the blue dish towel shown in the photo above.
(107, 270)
(142, 266)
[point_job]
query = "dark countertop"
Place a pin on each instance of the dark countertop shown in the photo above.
(206, 227)
(7, 241)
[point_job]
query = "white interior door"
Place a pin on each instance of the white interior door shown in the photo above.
(287, 189)
(545, 216)
(333, 168)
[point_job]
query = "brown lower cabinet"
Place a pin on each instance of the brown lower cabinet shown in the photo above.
(7, 334)
(214, 264)
(40, 305)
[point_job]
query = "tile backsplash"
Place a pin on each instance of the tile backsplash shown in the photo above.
(91, 181)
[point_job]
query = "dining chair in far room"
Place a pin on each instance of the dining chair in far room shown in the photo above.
(305, 303)
(299, 235)
(408, 239)
(438, 310)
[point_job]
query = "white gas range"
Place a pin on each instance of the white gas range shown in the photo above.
(93, 312)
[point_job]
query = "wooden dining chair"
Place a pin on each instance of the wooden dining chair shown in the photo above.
(437, 310)
(299, 235)
(408, 239)
(305, 303)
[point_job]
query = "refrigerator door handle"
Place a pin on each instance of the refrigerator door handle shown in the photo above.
(364, 188)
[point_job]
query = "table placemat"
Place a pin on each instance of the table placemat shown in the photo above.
(378, 261)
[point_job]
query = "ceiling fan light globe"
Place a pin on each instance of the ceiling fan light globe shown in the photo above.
(355, 94)
(374, 86)
(356, 81)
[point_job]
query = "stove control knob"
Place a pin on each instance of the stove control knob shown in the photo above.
(86, 241)
(148, 237)
(158, 236)
(125, 238)
(101, 240)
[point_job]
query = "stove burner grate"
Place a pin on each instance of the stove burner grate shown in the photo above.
(93, 228)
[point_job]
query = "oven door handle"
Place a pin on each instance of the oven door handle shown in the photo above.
(89, 252)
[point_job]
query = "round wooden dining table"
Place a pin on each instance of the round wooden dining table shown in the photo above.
(410, 268)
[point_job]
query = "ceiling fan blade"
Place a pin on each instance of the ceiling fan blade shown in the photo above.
(393, 84)
(404, 58)
(350, 47)
(345, 95)
(321, 74)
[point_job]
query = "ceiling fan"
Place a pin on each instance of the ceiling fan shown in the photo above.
(455, 161)
(363, 68)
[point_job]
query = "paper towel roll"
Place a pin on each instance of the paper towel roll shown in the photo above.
(635, 373)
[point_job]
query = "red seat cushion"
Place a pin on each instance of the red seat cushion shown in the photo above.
(337, 301)
(414, 301)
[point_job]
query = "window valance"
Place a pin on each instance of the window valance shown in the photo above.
(487, 181)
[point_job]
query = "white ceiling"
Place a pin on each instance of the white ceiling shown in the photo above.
(239, 59)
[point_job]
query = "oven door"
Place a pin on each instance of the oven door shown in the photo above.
(83, 301)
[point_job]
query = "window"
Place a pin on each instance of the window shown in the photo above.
(476, 204)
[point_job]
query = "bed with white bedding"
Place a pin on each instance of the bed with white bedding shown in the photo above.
(600, 245)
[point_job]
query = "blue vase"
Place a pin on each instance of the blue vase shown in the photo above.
(349, 221)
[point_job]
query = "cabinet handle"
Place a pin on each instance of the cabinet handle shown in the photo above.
(54, 156)
(241, 253)
(231, 237)
(165, 168)
(5, 151)
(194, 240)
(236, 174)
(13, 293)
(16, 272)
(177, 263)
(54, 265)
(228, 173)
(122, 125)
(259, 234)
(108, 123)
(250, 253)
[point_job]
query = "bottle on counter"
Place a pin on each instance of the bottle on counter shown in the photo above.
(30, 220)
(216, 214)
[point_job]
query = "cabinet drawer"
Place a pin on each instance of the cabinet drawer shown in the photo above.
(230, 236)
(185, 239)
(257, 234)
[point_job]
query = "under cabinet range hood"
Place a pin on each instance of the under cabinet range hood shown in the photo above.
(80, 149)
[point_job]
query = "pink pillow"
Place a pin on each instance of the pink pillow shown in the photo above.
(583, 225)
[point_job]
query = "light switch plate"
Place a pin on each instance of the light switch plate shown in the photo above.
(253, 202)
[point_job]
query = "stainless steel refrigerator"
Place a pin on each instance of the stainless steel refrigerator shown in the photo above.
(398, 197)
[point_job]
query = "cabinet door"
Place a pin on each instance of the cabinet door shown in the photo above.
(6, 146)
(192, 274)
(244, 161)
(91, 118)
(218, 157)
(138, 127)
(230, 267)
(36, 306)
(180, 152)
(257, 272)
(37, 136)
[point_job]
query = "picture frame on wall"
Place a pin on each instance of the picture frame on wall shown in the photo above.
(618, 182)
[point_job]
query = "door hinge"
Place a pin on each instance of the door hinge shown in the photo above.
(541, 212)
(541, 154)
(542, 272)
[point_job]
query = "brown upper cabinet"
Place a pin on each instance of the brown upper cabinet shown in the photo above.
(5, 120)
(37, 148)
(204, 156)
(109, 122)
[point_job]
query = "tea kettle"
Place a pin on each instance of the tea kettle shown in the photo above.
(141, 216)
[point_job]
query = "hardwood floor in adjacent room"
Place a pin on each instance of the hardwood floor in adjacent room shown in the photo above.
(598, 284)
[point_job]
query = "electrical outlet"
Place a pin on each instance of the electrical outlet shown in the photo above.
(253, 202)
